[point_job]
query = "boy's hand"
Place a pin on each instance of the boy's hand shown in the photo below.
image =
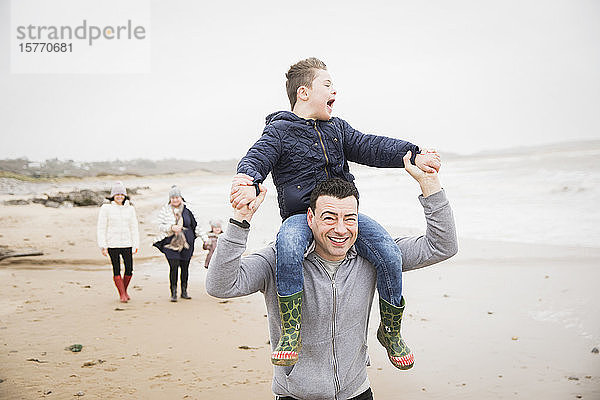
(428, 181)
(241, 179)
(243, 192)
(243, 196)
(428, 161)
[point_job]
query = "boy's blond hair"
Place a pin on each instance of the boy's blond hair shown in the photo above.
(302, 74)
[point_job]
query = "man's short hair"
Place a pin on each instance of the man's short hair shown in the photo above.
(334, 187)
(302, 74)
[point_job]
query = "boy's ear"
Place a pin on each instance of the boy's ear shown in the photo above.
(302, 93)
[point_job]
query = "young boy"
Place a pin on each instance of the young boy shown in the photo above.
(302, 148)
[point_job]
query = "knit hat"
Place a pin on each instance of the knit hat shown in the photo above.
(175, 192)
(118, 188)
(215, 223)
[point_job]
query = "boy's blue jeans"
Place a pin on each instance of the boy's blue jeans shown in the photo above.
(373, 243)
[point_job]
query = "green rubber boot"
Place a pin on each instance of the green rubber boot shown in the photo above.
(388, 335)
(290, 342)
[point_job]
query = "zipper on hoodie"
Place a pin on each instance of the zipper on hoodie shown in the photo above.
(336, 380)
(323, 147)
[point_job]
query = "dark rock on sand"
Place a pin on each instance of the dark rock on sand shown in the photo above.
(17, 202)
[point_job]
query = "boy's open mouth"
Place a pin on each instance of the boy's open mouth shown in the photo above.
(330, 105)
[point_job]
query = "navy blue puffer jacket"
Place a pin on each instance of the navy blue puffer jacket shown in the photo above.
(301, 153)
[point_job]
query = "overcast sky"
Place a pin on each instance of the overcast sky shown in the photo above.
(461, 76)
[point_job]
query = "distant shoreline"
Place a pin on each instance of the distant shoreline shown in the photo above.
(49, 170)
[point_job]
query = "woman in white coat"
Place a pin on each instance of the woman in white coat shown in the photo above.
(118, 236)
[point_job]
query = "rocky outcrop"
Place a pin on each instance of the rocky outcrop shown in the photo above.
(75, 198)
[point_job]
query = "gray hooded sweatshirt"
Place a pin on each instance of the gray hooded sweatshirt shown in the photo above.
(335, 311)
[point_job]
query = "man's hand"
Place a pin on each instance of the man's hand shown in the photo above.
(243, 191)
(428, 181)
(428, 161)
(246, 212)
(104, 251)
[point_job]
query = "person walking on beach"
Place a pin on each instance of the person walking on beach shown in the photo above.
(177, 232)
(118, 236)
(210, 239)
(306, 146)
(339, 284)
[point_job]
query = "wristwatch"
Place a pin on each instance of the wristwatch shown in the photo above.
(244, 224)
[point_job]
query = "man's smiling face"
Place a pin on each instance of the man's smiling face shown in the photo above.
(334, 224)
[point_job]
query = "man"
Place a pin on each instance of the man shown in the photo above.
(339, 285)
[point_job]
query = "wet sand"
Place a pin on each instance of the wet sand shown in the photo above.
(498, 321)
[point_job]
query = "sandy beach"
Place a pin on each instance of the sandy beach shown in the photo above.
(160, 93)
(501, 320)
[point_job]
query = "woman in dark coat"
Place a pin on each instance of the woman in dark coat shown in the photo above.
(177, 226)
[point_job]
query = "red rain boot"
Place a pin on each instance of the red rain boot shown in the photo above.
(126, 279)
(120, 287)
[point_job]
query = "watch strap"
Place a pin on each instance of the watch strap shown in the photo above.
(244, 224)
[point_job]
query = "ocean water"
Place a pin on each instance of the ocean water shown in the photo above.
(543, 197)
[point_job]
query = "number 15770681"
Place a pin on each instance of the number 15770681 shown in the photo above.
(46, 47)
